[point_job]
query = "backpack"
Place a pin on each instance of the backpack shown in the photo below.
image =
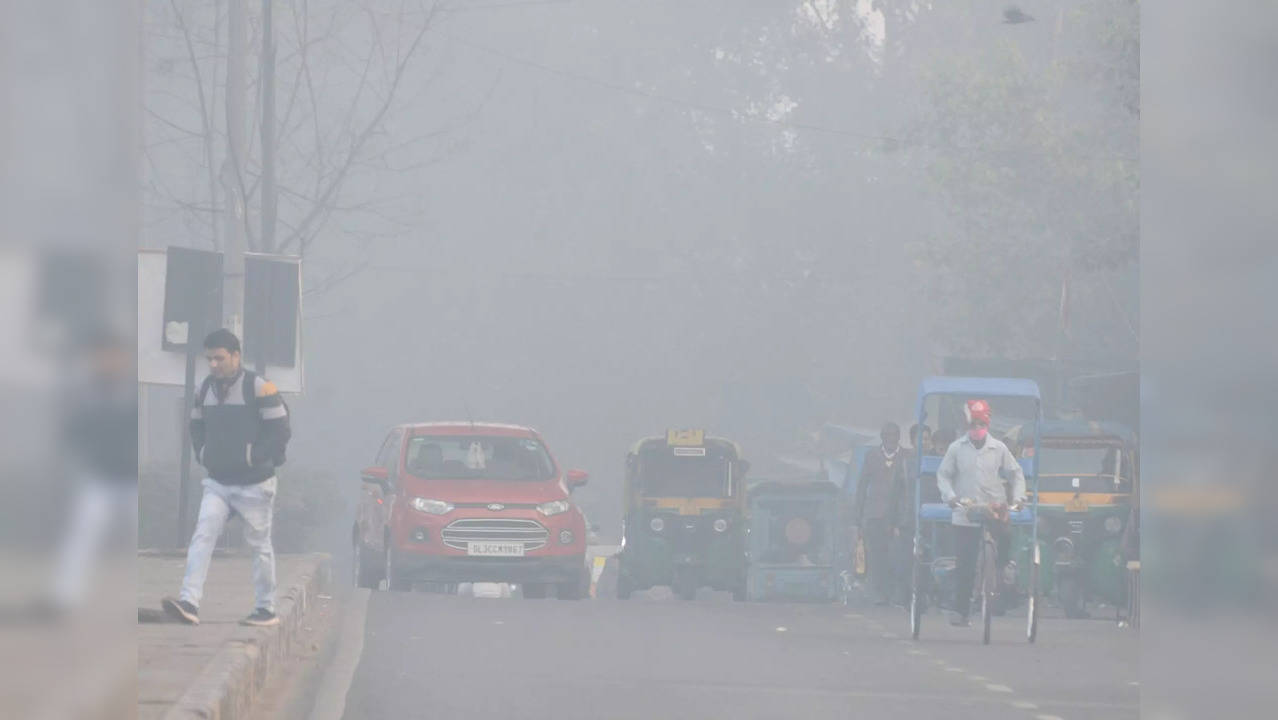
(249, 388)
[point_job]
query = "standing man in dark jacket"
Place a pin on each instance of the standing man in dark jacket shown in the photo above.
(239, 428)
(876, 509)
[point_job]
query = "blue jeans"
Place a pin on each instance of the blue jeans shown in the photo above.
(254, 503)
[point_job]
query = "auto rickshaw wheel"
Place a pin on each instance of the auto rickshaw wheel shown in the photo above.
(624, 586)
(685, 585)
(574, 589)
(1070, 591)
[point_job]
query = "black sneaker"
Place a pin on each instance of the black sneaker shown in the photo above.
(181, 610)
(261, 617)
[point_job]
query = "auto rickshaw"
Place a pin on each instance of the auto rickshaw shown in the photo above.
(1017, 404)
(1086, 473)
(793, 546)
(684, 516)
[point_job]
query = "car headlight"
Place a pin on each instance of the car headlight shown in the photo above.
(1113, 524)
(432, 507)
(554, 507)
(657, 524)
(720, 525)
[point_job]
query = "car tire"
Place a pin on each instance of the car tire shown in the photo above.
(395, 582)
(534, 591)
(368, 567)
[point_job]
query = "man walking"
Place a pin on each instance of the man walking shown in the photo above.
(239, 429)
(877, 496)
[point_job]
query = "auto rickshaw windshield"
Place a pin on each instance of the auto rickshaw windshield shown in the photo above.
(662, 474)
(1098, 468)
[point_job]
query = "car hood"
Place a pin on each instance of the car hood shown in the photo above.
(510, 492)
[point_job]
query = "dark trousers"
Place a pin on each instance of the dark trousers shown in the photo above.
(879, 565)
(903, 561)
(967, 545)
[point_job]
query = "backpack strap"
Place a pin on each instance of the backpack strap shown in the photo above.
(204, 390)
(249, 385)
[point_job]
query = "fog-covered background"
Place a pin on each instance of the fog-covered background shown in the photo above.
(833, 177)
(606, 218)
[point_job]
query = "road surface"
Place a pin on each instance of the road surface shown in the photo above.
(423, 655)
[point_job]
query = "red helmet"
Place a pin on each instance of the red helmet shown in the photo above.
(977, 411)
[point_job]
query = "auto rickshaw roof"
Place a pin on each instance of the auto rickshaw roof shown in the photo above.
(978, 387)
(710, 441)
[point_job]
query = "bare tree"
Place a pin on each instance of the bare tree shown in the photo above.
(345, 69)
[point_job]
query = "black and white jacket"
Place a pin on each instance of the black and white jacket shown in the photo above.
(240, 428)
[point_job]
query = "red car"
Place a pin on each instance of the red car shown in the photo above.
(454, 502)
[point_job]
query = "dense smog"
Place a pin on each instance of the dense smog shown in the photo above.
(607, 359)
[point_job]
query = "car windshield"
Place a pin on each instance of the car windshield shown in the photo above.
(477, 457)
(1097, 467)
(663, 474)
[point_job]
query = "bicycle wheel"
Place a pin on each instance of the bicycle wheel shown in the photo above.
(1031, 619)
(916, 598)
(989, 580)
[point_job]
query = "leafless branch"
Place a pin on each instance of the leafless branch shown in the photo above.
(205, 119)
(358, 142)
(337, 278)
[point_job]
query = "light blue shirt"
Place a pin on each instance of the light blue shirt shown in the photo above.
(979, 474)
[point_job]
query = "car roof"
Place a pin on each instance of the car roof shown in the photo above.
(466, 427)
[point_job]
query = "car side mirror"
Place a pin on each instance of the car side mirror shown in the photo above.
(375, 474)
(576, 478)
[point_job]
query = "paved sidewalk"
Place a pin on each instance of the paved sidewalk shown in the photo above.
(216, 668)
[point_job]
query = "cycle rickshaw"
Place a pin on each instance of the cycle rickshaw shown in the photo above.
(1018, 402)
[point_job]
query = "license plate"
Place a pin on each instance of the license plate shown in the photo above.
(1076, 504)
(495, 549)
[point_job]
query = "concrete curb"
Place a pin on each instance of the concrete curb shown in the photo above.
(233, 679)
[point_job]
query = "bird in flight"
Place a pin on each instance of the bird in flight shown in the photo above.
(1015, 16)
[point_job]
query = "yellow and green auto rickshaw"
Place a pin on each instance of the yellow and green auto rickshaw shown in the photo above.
(1086, 475)
(684, 515)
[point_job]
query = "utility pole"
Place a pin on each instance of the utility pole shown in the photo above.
(268, 130)
(234, 164)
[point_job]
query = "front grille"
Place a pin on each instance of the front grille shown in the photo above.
(459, 532)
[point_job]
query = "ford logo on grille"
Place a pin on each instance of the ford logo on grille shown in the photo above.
(495, 507)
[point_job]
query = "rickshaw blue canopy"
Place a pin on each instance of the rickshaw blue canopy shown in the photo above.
(985, 387)
(977, 386)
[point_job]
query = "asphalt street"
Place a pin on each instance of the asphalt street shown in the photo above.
(424, 655)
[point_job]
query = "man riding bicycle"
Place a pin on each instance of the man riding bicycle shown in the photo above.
(976, 468)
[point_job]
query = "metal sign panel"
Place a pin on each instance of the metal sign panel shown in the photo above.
(685, 438)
